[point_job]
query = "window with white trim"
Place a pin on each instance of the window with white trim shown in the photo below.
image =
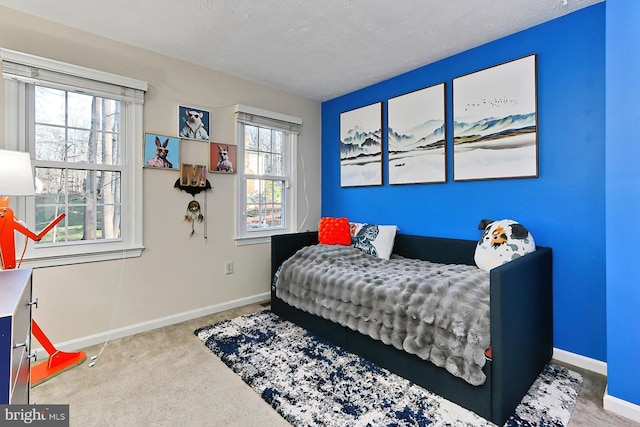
(267, 150)
(82, 128)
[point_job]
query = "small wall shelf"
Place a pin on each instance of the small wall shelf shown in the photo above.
(193, 190)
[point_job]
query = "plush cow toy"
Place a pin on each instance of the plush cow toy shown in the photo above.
(502, 241)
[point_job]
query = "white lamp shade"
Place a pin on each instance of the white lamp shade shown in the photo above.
(16, 174)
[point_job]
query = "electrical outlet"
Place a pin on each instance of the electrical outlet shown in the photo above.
(228, 267)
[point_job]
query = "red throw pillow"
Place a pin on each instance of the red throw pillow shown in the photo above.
(334, 231)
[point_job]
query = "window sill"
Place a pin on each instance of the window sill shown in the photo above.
(245, 241)
(261, 237)
(81, 258)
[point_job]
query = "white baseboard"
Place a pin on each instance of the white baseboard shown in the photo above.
(153, 324)
(621, 407)
(583, 362)
(610, 403)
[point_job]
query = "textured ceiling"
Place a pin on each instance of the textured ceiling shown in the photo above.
(316, 49)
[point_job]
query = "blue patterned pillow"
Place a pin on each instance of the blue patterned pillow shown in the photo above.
(376, 240)
(275, 278)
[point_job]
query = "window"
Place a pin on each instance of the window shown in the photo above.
(267, 174)
(82, 129)
(76, 150)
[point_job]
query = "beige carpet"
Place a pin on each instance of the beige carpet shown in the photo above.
(167, 377)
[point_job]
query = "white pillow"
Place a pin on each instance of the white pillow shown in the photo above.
(376, 240)
(502, 241)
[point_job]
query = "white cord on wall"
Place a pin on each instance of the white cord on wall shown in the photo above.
(304, 187)
(114, 314)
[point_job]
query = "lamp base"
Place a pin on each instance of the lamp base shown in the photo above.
(58, 362)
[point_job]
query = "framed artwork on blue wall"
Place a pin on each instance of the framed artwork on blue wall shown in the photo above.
(495, 132)
(361, 146)
(416, 137)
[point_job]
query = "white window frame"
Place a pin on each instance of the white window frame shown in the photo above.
(20, 71)
(291, 125)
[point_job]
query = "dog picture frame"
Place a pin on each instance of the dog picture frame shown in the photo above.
(193, 123)
(495, 122)
(161, 152)
(223, 158)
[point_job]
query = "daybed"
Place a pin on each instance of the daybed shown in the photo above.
(521, 325)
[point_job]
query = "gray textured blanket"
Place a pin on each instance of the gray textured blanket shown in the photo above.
(438, 312)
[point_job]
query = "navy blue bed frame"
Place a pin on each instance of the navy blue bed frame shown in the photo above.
(521, 324)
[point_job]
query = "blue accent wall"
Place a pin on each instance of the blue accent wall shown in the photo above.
(564, 207)
(623, 198)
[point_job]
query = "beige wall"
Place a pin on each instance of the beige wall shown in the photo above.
(176, 274)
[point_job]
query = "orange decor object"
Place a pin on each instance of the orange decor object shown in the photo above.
(334, 231)
(59, 361)
(9, 224)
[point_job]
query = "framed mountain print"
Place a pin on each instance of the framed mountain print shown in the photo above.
(495, 131)
(416, 140)
(361, 146)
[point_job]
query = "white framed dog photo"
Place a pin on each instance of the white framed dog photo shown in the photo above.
(193, 123)
(222, 157)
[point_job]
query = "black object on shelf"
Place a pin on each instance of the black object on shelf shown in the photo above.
(192, 189)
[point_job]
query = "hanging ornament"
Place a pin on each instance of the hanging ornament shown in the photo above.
(193, 214)
(193, 180)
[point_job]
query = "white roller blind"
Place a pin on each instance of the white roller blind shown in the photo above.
(35, 70)
(255, 116)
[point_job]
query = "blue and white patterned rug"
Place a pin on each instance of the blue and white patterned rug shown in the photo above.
(310, 382)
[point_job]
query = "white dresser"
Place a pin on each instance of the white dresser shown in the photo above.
(15, 335)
